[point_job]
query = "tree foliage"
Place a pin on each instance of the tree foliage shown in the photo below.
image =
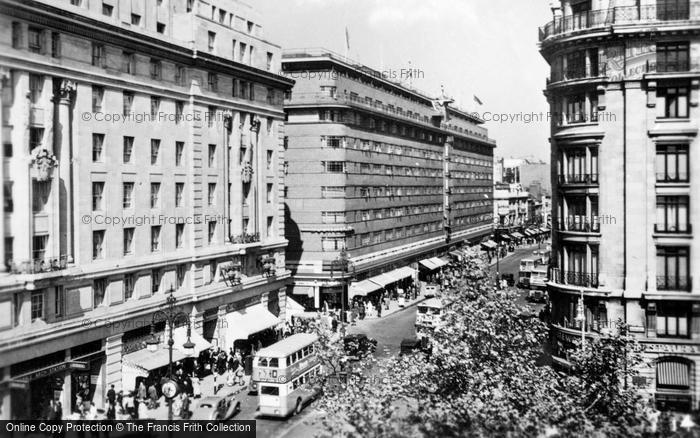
(483, 378)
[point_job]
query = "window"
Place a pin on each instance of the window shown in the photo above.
(333, 217)
(40, 194)
(155, 195)
(39, 244)
(107, 9)
(129, 284)
(156, 280)
(672, 214)
(97, 98)
(37, 305)
(97, 196)
(128, 198)
(155, 149)
(332, 243)
(672, 163)
(98, 55)
(156, 69)
(211, 194)
(129, 63)
(9, 205)
(160, 27)
(222, 16)
(179, 111)
(672, 102)
(7, 150)
(76, 2)
(128, 146)
(672, 320)
(333, 192)
(190, 5)
(179, 235)
(335, 166)
(212, 155)
(135, 19)
(179, 194)
(672, 268)
(672, 9)
(211, 235)
(334, 142)
(55, 45)
(269, 159)
(210, 116)
(270, 223)
(16, 35)
(128, 241)
(211, 41)
(672, 57)
(155, 238)
(269, 61)
(180, 272)
(179, 152)
(213, 82)
(155, 106)
(98, 238)
(59, 302)
(127, 102)
(242, 47)
(180, 78)
(34, 40)
(269, 193)
(36, 86)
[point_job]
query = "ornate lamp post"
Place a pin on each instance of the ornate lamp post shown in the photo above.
(343, 264)
(170, 316)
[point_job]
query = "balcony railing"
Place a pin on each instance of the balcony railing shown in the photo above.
(574, 278)
(595, 326)
(619, 15)
(681, 177)
(246, 238)
(585, 225)
(579, 178)
(674, 283)
(38, 266)
(673, 228)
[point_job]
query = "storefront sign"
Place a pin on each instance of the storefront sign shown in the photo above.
(672, 348)
(242, 304)
(73, 365)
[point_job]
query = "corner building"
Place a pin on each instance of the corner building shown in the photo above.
(379, 184)
(624, 90)
(142, 151)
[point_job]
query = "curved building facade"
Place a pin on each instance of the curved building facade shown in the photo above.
(624, 91)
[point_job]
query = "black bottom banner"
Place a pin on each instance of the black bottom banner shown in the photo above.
(127, 428)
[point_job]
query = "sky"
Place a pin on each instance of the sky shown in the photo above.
(483, 48)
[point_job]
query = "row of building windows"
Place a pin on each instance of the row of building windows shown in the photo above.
(394, 149)
(389, 170)
(394, 212)
(37, 43)
(393, 191)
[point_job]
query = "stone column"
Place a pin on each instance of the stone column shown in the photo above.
(113, 364)
(62, 145)
(4, 74)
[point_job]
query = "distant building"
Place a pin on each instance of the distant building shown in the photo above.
(377, 180)
(510, 203)
(533, 175)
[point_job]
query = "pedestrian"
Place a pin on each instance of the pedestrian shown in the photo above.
(196, 388)
(185, 408)
(153, 396)
(58, 407)
(142, 391)
(111, 411)
(111, 395)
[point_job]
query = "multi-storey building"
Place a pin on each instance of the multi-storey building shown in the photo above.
(624, 89)
(142, 152)
(377, 180)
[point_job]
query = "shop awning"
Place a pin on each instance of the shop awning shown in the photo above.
(129, 375)
(383, 280)
(505, 236)
(438, 262)
(180, 337)
(530, 233)
(145, 360)
(292, 308)
(405, 272)
(362, 288)
(456, 254)
(517, 235)
(446, 260)
(245, 322)
(428, 264)
(544, 230)
(490, 244)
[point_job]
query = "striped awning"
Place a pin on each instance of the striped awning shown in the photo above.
(676, 374)
(428, 264)
(517, 235)
(383, 280)
(362, 288)
(530, 233)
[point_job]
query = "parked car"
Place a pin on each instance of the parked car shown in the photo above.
(537, 296)
(358, 346)
(414, 345)
(217, 408)
(431, 290)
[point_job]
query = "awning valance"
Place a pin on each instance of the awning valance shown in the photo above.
(675, 374)
(245, 322)
(362, 288)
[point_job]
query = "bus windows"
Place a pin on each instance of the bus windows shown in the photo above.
(269, 390)
(274, 362)
(289, 360)
(262, 362)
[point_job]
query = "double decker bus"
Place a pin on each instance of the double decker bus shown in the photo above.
(282, 373)
(429, 315)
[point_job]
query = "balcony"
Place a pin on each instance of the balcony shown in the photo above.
(618, 15)
(246, 238)
(579, 179)
(579, 225)
(573, 278)
(39, 266)
(674, 283)
(673, 228)
(679, 178)
(600, 326)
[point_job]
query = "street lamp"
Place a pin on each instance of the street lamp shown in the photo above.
(343, 262)
(170, 316)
